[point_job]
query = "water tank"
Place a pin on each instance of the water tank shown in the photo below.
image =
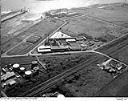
(28, 74)
(34, 64)
(22, 70)
(36, 70)
(16, 67)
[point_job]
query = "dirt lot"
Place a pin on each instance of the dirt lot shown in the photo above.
(116, 13)
(93, 28)
(42, 28)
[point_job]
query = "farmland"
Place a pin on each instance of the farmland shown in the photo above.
(43, 29)
(115, 13)
(85, 26)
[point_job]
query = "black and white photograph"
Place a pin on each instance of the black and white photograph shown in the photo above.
(64, 49)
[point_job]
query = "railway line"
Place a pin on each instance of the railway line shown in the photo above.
(43, 86)
(51, 82)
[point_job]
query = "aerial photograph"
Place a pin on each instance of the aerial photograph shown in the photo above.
(64, 48)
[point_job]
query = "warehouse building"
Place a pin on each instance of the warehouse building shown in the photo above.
(44, 49)
(59, 48)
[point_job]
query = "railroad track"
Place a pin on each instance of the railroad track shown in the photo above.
(51, 82)
(43, 86)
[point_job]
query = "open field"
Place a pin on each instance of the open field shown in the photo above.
(43, 28)
(115, 13)
(87, 81)
(85, 26)
(20, 60)
(12, 25)
(118, 49)
(122, 55)
(117, 87)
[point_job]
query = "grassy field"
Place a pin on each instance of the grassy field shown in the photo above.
(43, 28)
(122, 55)
(91, 27)
(87, 81)
(118, 87)
(117, 49)
(115, 13)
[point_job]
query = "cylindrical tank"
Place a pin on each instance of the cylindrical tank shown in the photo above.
(36, 70)
(16, 67)
(28, 74)
(22, 70)
(34, 64)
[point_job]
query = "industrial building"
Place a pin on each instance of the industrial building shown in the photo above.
(44, 49)
(17, 75)
(112, 66)
(59, 48)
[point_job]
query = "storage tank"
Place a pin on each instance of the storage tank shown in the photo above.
(34, 64)
(22, 70)
(36, 70)
(28, 74)
(16, 67)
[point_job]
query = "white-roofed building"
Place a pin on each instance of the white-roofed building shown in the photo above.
(70, 40)
(44, 49)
